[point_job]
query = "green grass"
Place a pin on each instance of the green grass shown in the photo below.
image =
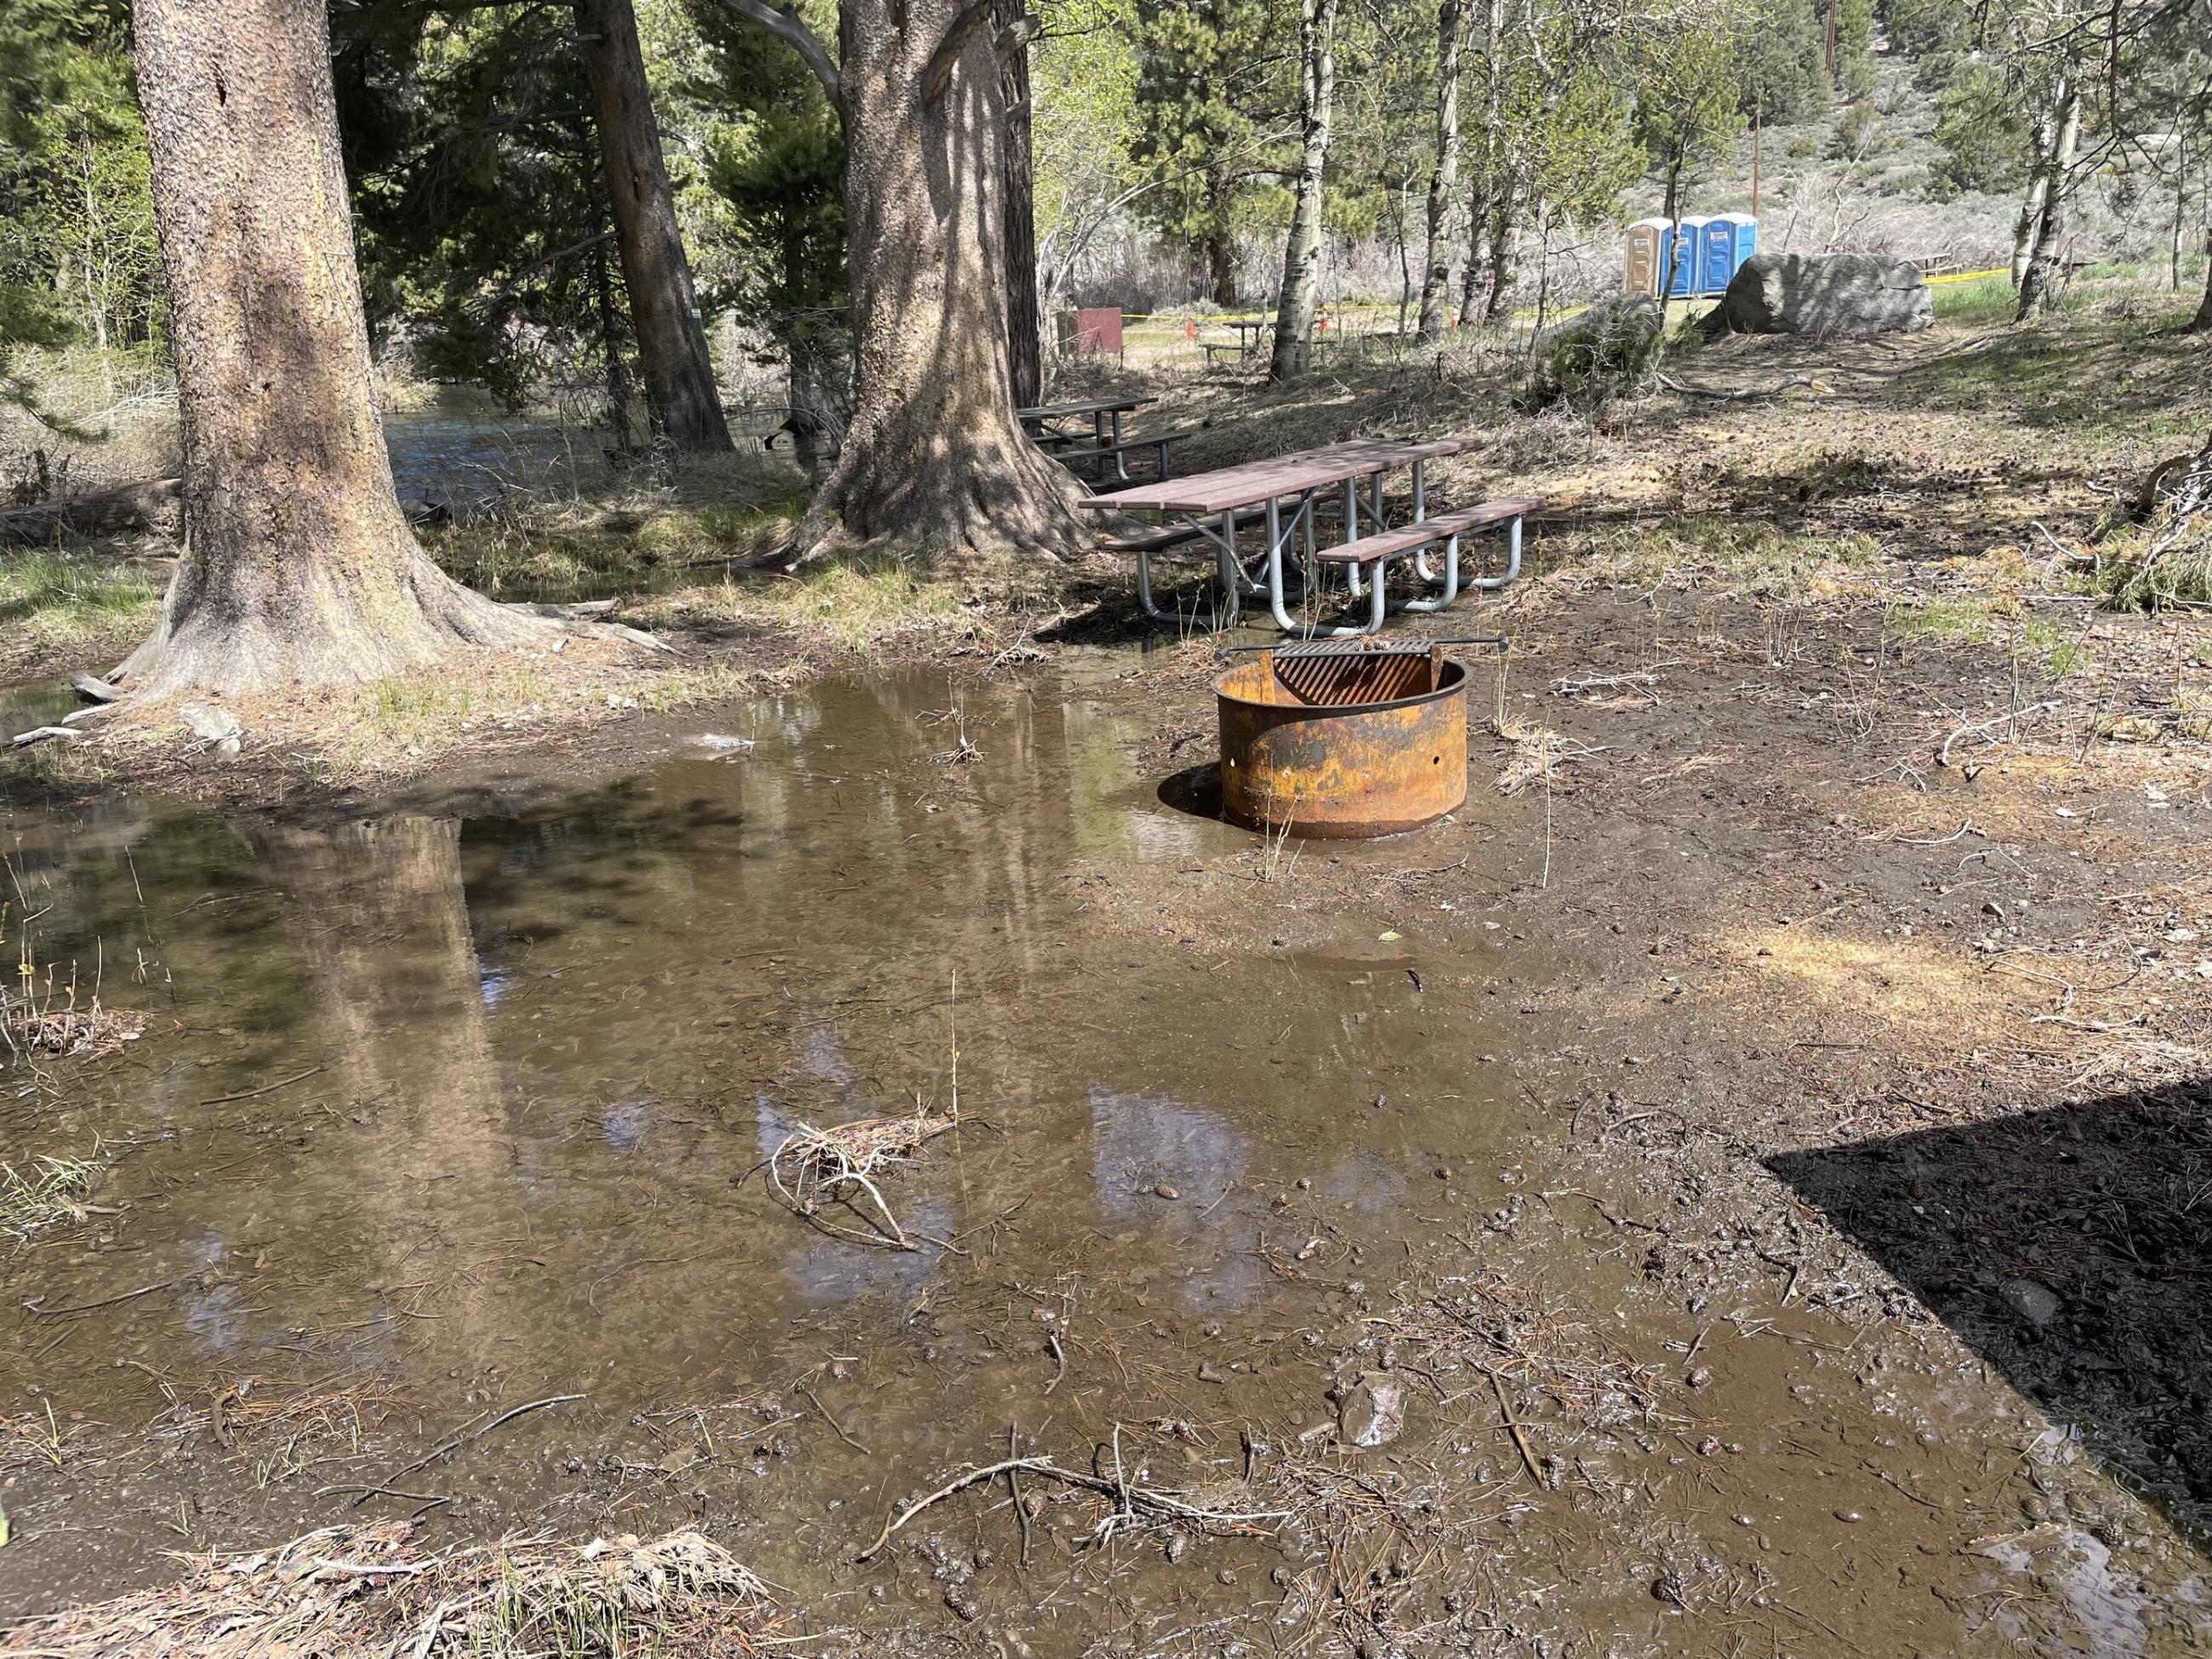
(857, 600)
(594, 554)
(2060, 653)
(1963, 620)
(52, 600)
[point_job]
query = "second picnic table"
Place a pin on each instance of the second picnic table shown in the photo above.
(1050, 424)
(1281, 493)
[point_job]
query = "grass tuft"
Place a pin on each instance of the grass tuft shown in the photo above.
(52, 600)
(48, 1191)
(1737, 555)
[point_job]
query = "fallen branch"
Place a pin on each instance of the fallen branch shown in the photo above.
(1739, 394)
(1137, 1506)
(1943, 754)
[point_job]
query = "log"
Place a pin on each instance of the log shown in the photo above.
(151, 505)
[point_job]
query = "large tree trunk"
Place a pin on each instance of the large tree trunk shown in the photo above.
(933, 454)
(2202, 323)
(1024, 326)
(1294, 311)
(2039, 290)
(1443, 177)
(663, 304)
(298, 567)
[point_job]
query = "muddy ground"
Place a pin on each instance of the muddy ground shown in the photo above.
(1746, 1176)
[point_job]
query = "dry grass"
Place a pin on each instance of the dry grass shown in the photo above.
(367, 1593)
(815, 1168)
(47, 1192)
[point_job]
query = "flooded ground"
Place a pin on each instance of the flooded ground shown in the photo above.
(435, 1187)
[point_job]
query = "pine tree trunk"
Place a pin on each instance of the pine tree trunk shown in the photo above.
(1301, 293)
(1221, 236)
(1444, 178)
(2202, 323)
(2039, 290)
(933, 454)
(663, 304)
(1024, 326)
(298, 567)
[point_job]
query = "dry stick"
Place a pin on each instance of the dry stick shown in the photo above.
(837, 1427)
(1167, 1508)
(1014, 1486)
(87, 1307)
(1513, 1425)
(266, 1089)
(1943, 754)
(461, 1440)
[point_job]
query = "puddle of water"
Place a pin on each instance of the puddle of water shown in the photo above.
(473, 1111)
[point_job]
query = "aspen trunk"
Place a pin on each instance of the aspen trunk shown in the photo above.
(1301, 292)
(2039, 290)
(2024, 229)
(1444, 178)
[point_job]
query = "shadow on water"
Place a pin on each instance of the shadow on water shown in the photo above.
(2072, 1248)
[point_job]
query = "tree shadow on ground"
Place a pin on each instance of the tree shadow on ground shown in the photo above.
(2072, 1249)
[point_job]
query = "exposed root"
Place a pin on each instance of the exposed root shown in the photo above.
(816, 1167)
(366, 1590)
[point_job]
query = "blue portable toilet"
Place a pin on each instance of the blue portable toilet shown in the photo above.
(1730, 240)
(1687, 259)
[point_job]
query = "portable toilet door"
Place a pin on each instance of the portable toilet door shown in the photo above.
(1729, 241)
(1646, 255)
(1686, 266)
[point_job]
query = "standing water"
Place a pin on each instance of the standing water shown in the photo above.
(435, 1186)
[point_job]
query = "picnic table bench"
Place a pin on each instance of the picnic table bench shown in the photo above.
(1282, 493)
(1049, 425)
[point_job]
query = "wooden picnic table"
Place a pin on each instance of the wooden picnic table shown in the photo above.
(1045, 424)
(1282, 491)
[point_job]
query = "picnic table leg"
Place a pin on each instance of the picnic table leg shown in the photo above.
(1421, 512)
(1232, 569)
(1121, 458)
(1284, 620)
(1512, 562)
(1442, 601)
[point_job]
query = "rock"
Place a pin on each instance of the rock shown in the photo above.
(1824, 294)
(715, 740)
(209, 722)
(1372, 1412)
(2039, 1304)
(93, 687)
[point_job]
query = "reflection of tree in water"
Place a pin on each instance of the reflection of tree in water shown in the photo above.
(379, 923)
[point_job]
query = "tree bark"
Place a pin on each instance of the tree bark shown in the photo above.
(1472, 299)
(2202, 323)
(1501, 261)
(1443, 177)
(664, 304)
(2030, 221)
(1024, 326)
(933, 455)
(2039, 290)
(1294, 310)
(1221, 235)
(298, 567)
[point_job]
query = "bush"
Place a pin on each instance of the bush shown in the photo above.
(1610, 350)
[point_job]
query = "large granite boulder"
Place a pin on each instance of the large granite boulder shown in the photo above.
(1824, 294)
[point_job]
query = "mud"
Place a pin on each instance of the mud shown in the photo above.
(1545, 1150)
